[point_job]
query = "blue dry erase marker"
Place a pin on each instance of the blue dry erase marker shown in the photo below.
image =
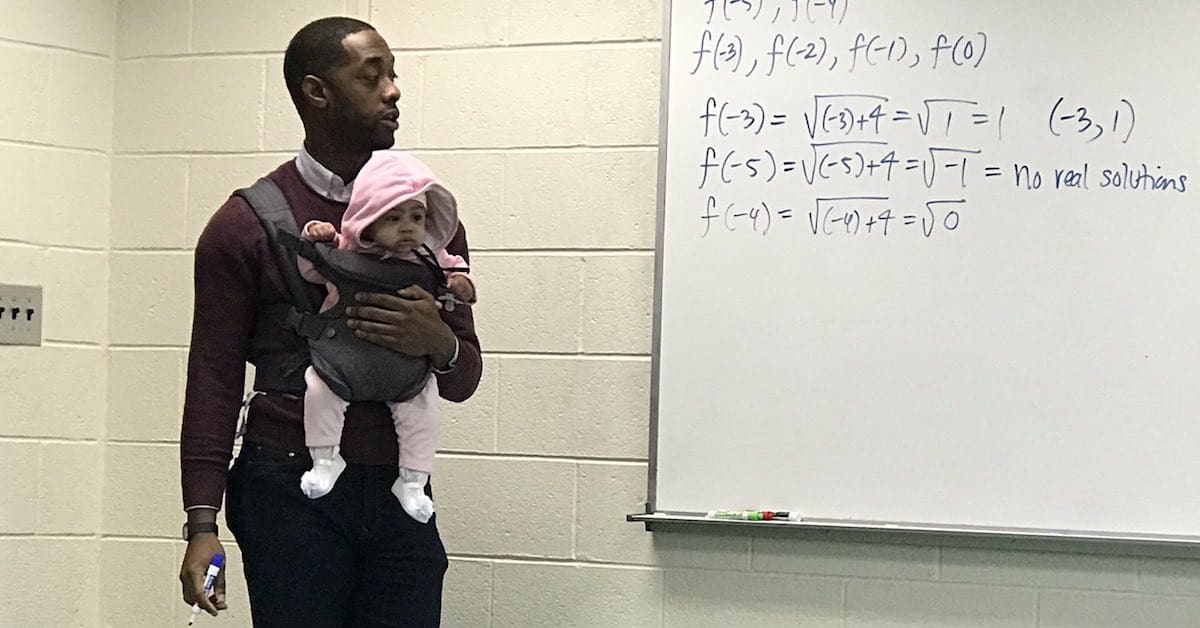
(210, 580)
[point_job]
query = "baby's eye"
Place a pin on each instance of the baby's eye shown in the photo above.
(418, 218)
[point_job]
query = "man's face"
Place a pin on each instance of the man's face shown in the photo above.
(400, 230)
(363, 93)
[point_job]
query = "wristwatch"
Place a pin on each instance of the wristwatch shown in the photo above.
(199, 528)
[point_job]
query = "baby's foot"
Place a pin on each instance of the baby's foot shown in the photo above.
(413, 499)
(319, 480)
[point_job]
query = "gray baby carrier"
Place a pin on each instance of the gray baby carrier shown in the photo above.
(355, 369)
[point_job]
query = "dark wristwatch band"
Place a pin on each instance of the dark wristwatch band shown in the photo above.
(199, 528)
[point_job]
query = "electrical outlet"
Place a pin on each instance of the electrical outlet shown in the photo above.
(20, 315)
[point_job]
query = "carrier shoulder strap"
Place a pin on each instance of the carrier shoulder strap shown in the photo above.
(275, 214)
(427, 257)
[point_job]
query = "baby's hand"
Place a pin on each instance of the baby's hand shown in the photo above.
(462, 288)
(320, 231)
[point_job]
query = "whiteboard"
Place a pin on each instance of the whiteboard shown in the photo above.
(930, 261)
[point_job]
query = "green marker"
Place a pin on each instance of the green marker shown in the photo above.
(754, 515)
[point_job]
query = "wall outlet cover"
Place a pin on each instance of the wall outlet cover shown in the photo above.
(20, 315)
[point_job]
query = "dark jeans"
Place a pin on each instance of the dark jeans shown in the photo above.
(350, 559)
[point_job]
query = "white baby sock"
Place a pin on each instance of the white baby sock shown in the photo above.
(409, 488)
(328, 464)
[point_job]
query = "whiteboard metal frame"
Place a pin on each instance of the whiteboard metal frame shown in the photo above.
(1075, 541)
(659, 236)
(1026, 539)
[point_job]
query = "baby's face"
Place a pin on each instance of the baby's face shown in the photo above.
(401, 229)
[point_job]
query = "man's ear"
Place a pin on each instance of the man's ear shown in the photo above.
(315, 90)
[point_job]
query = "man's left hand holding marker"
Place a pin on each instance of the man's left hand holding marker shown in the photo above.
(203, 544)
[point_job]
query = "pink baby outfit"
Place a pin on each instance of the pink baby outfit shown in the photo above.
(388, 179)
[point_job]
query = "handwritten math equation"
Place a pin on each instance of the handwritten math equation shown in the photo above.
(867, 215)
(846, 158)
(845, 138)
(811, 11)
(830, 161)
(837, 216)
(731, 52)
(722, 48)
(881, 215)
(872, 115)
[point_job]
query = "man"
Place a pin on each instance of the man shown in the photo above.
(351, 558)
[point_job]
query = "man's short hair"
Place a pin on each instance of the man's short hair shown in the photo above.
(316, 49)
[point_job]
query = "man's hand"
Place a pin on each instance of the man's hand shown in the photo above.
(200, 551)
(407, 322)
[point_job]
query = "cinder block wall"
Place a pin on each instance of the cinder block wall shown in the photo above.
(123, 125)
(56, 103)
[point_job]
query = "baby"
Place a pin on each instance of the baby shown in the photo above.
(397, 209)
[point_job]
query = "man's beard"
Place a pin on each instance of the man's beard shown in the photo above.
(359, 132)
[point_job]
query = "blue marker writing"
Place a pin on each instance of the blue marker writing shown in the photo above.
(210, 580)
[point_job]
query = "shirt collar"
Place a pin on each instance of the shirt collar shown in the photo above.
(321, 180)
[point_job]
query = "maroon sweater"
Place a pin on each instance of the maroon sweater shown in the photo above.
(235, 277)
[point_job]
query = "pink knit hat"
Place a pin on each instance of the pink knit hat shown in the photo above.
(388, 179)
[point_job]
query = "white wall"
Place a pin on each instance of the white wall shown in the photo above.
(542, 116)
(56, 103)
